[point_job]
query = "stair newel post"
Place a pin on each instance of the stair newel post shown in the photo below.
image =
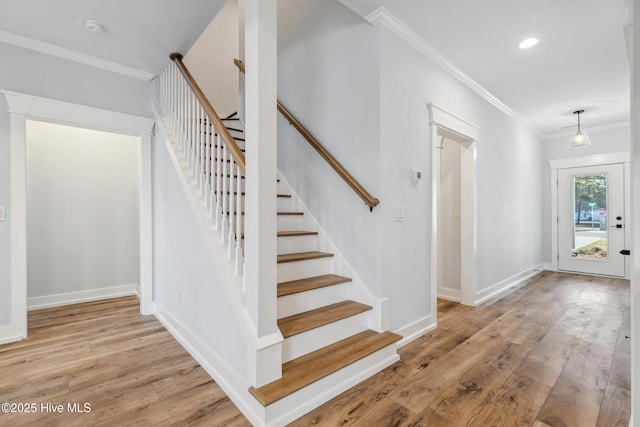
(260, 250)
(239, 222)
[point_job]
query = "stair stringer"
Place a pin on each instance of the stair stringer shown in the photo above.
(234, 384)
(378, 317)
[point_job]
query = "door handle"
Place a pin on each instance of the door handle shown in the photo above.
(617, 226)
(625, 252)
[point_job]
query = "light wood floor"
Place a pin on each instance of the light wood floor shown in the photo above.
(553, 352)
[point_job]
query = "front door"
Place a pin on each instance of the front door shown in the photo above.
(591, 220)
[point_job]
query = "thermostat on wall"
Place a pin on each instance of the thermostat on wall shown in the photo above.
(416, 176)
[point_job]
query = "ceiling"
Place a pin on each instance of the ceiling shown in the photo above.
(579, 63)
(138, 33)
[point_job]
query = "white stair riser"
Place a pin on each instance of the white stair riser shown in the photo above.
(304, 301)
(288, 271)
(306, 342)
(286, 410)
(290, 222)
(294, 244)
(284, 204)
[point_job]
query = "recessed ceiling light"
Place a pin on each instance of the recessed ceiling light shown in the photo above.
(527, 43)
(94, 26)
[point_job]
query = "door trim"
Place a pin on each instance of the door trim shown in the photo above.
(465, 132)
(23, 107)
(577, 162)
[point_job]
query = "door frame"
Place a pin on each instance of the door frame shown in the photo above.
(23, 107)
(445, 123)
(585, 161)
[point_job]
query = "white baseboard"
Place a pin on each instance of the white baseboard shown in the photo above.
(57, 300)
(506, 284)
(416, 329)
(9, 334)
(547, 266)
(230, 382)
(449, 294)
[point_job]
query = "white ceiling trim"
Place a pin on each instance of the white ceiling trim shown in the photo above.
(382, 16)
(594, 129)
(55, 111)
(71, 55)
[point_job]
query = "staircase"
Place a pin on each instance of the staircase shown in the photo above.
(324, 331)
(326, 316)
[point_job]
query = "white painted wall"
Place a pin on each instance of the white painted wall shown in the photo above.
(364, 92)
(42, 75)
(82, 210)
(508, 180)
(187, 279)
(210, 60)
(328, 78)
(614, 140)
(449, 225)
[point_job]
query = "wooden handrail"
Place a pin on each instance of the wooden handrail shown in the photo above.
(368, 199)
(222, 130)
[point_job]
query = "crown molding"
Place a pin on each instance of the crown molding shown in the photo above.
(567, 133)
(382, 16)
(49, 49)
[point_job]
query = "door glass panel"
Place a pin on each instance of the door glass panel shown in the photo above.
(590, 217)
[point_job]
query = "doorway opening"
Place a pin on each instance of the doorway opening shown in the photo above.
(24, 107)
(589, 197)
(82, 215)
(454, 218)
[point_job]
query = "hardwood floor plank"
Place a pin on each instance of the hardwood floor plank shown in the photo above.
(355, 403)
(516, 403)
(126, 366)
(570, 404)
(463, 400)
(614, 412)
(554, 351)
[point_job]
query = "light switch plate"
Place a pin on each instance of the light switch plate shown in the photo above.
(398, 213)
(3, 214)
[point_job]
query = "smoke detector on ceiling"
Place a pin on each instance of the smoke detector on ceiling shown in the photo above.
(94, 26)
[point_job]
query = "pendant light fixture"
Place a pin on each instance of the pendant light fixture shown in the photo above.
(580, 138)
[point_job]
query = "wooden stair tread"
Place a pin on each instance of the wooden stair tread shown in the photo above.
(295, 233)
(310, 283)
(299, 373)
(287, 196)
(278, 213)
(303, 322)
(302, 256)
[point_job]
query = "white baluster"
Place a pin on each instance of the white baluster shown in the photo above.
(232, 211)
(225, 200)
(203, 152)
(219, 182)
(207, 163)
(239, 221)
